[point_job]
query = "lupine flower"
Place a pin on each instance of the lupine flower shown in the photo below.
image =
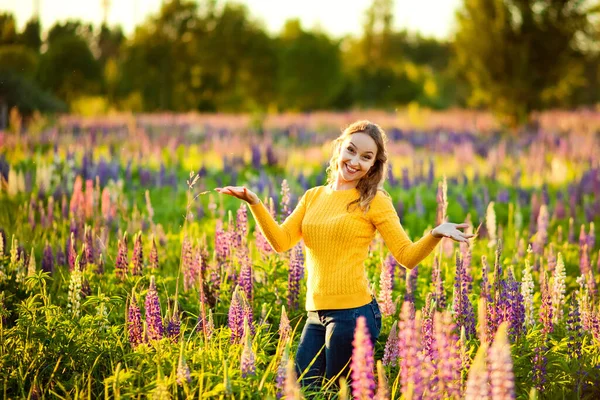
(558, 289)
(154, 320)
(583, 302)
(2, 242)
(391, 264)
(48, 260)
(462, 307)
(483, 317)
(71, 252)
(173, 324)
(242, 223)
(539, 363)
(465, 359)
(295, 275)
(383, 392)
(285, 200)
(515, 311)
(246, 279)
(527, 287)
(31, 265)
(392, 347)
(89, 245)
(591, 237)
(477, 386)
(388, 307)
(442, 201)
(574, 329)
(427, 326)
(363, 363)
(291, 389)
(153, 257)
(546, 306)
(447, 357)
(285, 329)
(236, 316)
(248, 359)
(122, 262)
(281, 369)
(134, 323)
(74, 303)
(502, 379)
(485, 285)
(410, 348)
(83, 259)
(137, 258)
(222, 242)
(490, 224)
(541, 235)
(183, 371)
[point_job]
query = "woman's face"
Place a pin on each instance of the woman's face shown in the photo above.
(357, 156)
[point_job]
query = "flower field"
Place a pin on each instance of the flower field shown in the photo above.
(123, 274)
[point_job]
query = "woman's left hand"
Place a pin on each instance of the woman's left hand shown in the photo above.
(450, 230)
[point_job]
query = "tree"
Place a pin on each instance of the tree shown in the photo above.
(31, 35)
(521, 55)
(8, 31)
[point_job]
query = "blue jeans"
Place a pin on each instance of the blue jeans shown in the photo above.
(326, 343)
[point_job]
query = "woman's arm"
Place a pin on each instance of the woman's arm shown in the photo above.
(281, 237)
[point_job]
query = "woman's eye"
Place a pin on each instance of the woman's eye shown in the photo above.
(367, 157)
(350, 149)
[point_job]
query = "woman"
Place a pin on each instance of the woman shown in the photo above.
(338, 222)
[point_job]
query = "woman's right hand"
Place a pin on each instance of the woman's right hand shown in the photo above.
(241, 193)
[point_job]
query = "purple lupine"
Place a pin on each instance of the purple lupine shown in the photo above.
(154, 320)
(183, 370)
(391, 264)
(83, 258)
(222, 242)
(412, 279)
(89, 245)
(247, 362)
(285, 329)
(502, 380)
(516, 309)
(410, 349)
(386, 302)
(295, 275)
(48, 260)
(438, 283)
(122, 262)
(546, 305)
(540, 362)
(173, 328)
(153, 257)
(392, 347)
(236, 316)
(137, 258)
(134, 323)
(461, 305)
(363, 362)
(281, 370)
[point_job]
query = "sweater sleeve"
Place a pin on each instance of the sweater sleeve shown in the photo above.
(281, 237)
(385, 219)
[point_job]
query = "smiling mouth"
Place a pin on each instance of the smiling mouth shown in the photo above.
(350, 169)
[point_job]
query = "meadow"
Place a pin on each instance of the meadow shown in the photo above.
(123, 274)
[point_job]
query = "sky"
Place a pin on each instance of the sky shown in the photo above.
(336, 17)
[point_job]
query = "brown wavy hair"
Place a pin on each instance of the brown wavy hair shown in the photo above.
(373, 181)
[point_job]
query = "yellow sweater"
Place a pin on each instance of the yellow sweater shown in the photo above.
(337, 243)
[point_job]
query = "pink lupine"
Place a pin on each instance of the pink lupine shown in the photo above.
(502, 379)
(386, 302)
(392, 347)
(242, 223)
(448, 362)
(363, 363)
(236, 315)
(410, 348)
(153, 257)
(134, 323)
(477, 386)
(122, 262)
(187, 261)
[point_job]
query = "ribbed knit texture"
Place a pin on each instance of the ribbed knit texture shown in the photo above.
(337, 243)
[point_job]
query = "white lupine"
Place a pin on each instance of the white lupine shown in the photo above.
(558, 289)
(582, 296)
(31, 266)
(490, 224)
(74, 303)
(527, 287)
(1, 247)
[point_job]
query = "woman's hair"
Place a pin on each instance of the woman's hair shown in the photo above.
(373, 181)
